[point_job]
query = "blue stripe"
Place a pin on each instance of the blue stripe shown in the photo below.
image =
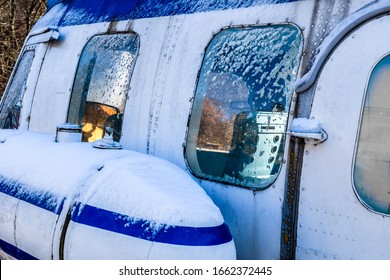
(115, 222)
(15, 251)
(85, 12)
(44, 200)
(143, 229)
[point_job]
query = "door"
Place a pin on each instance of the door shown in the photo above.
(345, 182)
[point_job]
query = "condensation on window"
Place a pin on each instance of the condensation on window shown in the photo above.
(12, 103)
(102, 82)
(372, 161)
(239, 115)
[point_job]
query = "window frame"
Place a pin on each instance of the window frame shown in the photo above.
(283, 144)
(138, 43)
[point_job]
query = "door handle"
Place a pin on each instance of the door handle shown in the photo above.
(308, 129)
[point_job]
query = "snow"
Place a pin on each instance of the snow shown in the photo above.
(51, 18)
(305, 125)
(126, 182)
(83, 12)
(69, 126)
(234, 57)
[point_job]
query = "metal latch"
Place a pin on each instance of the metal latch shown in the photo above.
(308, 129)
(43, 35)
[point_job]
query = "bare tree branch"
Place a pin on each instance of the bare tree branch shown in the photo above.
(17, 17)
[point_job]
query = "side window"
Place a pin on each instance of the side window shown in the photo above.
(238, 122)
(12, 101)
(101, 85)
(372, 162)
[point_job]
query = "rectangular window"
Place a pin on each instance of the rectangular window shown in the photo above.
(101, 85)
(239, 116)
(12, 101)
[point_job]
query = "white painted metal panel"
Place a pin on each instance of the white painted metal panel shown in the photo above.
(8, 207)
(51, 100)
(168, 84)
(155, 122)
(333, 224)
(104, 245)
(34, 229)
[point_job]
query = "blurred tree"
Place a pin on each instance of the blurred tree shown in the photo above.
(216, 129)
(17, 17)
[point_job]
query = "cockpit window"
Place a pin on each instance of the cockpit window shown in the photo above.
(102, 82)
(372, 161)
(12, 103)
(239, 116)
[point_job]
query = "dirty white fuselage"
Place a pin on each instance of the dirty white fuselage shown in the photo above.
(311, 209)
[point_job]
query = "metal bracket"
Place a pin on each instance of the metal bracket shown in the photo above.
(308, 129)
(44, 35)
(312, 138)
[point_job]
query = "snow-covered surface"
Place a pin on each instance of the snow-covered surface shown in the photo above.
(69, 126)
(83, 12)
(302, 125)
(162, 86)
(255, 218)
(135, 201)
(125, 182)
(51, 3)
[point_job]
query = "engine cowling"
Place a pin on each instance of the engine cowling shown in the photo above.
(72, 201)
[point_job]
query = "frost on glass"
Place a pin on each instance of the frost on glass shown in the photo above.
(101, 85)
(12, 103)
(239, 116)
(372, 163)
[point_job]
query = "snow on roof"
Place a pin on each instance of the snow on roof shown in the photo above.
(83, 12)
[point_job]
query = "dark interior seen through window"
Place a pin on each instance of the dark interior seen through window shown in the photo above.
(12, 103)
(239, 115)
(101, 85)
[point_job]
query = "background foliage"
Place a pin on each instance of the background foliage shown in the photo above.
(16, 19)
